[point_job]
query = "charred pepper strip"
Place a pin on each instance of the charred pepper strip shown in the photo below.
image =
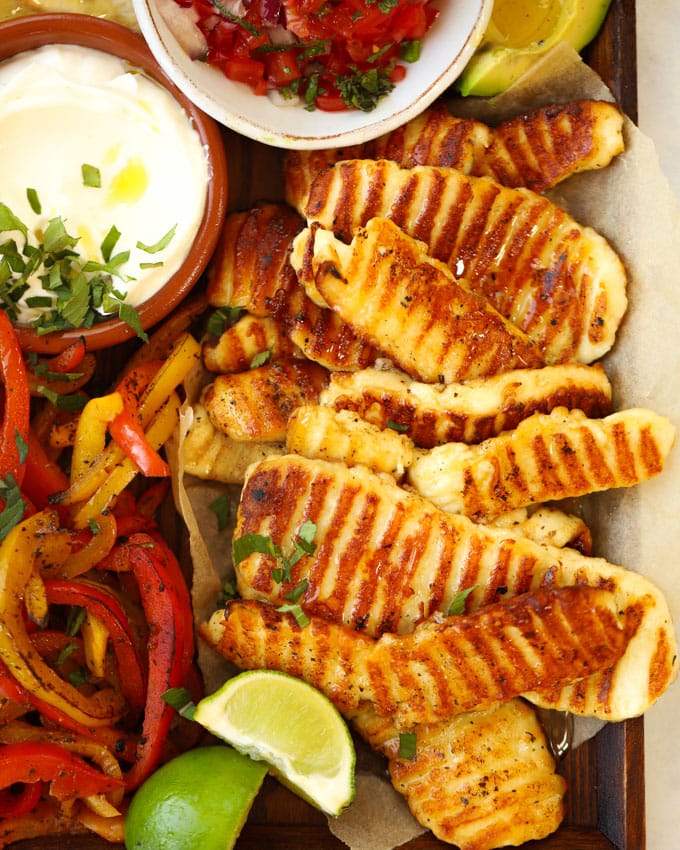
(43, 476)
(69, 776)
(163, 608)
(26, 546)
(103, 604)
(16, 403)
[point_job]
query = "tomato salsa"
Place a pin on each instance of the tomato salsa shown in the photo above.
(328, 54)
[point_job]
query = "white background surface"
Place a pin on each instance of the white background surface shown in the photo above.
(658, 62)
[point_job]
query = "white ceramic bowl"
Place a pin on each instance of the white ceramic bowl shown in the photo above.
(445, 50)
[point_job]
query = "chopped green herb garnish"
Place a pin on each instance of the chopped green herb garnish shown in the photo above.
(34, 201)
(235, 19)
(223, 318)
(363, 89)
(407, 745)
(221, 507)
(70, 402)
(14, 507)
(396, 426)
(228, 592)
(75, 619)
(77, 677)
(163, 242)
(300, 617)
(93, 525)
(457, 605)
(409, 51)
(295, 594)
(303, 544)
(109, 243)
(69, 649)
(180, 700)
(75, 289)
(384, 5)
(91, 176)
(260, 359)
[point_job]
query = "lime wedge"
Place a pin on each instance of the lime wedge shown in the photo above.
(199, 799)
(520, 32)
(277, 718)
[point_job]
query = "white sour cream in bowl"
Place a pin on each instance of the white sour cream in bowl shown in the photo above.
(88, 140)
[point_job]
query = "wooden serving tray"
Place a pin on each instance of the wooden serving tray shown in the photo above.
(605, 801)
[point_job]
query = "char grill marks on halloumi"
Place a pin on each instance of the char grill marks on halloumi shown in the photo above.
(468, 412)
(548, 457)
(537, 149)
(559, 282)
(479, 780)
(386, 559)
(410, 306)
(256, 405)
(251, 270)
(444, 667)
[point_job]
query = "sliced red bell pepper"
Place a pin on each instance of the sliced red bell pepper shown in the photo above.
(129, 434)
(70, 358)
(126, 429)
(14, 402)
(121, 744)
(164, 602)
(20, 800)
(43, 476)
(69, 776)
(103, 604)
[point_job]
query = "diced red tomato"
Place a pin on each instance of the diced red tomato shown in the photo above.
(333, 39)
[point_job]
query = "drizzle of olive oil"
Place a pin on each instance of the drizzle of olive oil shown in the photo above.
(129, 184)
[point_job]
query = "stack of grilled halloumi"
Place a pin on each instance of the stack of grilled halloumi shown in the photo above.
(414, 374)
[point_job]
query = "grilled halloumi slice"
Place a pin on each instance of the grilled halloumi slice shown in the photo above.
(251, 270)
(479, 780)
(548, 526)
(321, 334)
(468, 412)
(238, 345)
(385, 559)
(251, 262)
(209, 454)
(548, 457)
(537, 149)
(540, 149)
(558, 281)
(410, 306)
(445, 666)
(257, 404)
(320, 432)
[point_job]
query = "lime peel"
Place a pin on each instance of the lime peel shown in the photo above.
(284, 721)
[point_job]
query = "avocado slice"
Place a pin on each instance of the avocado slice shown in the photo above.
(520, 33)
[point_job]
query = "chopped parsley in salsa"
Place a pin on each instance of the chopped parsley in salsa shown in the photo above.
(329, 54)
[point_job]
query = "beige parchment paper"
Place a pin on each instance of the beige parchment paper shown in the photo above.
(632, 205)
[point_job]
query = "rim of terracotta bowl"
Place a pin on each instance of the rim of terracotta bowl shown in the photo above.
(27, 33)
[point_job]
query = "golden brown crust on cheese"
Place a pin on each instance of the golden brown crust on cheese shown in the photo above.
(209, 454)
(480, 780)
(251, 262)
(257, 404)
(537, 149)
(411, 307)
(542, 148)
(548, 457)
(321, 334)
(559, 282)
(238, 345)
(321, 432)
(386, 559)
(467, 412)
(443, 668)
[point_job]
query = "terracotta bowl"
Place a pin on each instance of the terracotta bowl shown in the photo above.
(445, 51)
(26, 33)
